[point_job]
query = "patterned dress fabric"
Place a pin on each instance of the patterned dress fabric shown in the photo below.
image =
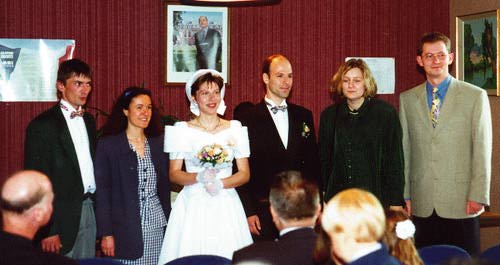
(153, 220)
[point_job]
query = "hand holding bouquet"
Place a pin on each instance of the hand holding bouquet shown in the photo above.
(211, 156)
(214, 187)
(206, 175)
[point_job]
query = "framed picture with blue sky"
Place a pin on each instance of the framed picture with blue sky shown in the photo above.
(197, 37)
(478, 45)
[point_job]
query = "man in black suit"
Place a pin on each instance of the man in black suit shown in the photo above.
(295, 205)
(26, 204)
(60, 142)
(282, 137)
(208, 46)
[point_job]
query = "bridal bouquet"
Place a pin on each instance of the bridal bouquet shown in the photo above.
(213, 155)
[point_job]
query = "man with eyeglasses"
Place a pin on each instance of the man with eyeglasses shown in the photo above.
(447, 143)
(60, 143)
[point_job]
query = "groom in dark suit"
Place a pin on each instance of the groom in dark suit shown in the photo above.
(282, 137)
(60, 142)
(295, 205)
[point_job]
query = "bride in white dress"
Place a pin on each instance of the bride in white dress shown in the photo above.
(207, 217)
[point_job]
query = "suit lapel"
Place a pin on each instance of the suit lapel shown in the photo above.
(65, 137)
(447, 109)
(294, 126)
(127, 159)
(422, 108)
(156, 151)
(91, 133)
(266, 121)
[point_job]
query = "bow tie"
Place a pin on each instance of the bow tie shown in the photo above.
(275, 109)
(76, 113)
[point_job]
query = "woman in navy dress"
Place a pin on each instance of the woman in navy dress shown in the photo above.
(131, 171)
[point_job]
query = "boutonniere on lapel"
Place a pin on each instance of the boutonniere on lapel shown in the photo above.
(305, 130)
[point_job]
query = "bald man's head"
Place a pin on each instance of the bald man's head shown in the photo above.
(25, 189)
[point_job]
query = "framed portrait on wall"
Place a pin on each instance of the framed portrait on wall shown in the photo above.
(477, 50)
(197, 37)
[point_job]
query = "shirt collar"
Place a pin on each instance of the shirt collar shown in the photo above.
(442, 87)
(271, 103)
(69, 107)
(292, 228)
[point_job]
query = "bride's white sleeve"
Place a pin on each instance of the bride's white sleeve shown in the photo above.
(242, 146)
(177, 142)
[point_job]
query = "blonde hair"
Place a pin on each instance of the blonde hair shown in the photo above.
(369, 81)
(355, 212)
(402, 249)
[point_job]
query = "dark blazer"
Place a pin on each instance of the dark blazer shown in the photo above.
(117, 194)
(362, 151)
(268, 156)
(49, 148)
(16, 249)
(294, 247)
(208, 50)
(379, 257)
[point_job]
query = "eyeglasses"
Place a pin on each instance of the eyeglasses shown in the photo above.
(431, 56)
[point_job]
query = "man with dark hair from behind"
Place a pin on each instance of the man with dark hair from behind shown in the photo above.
(26, 204)
(295, 206)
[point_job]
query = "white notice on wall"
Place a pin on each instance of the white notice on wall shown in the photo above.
(28, 68)
(384, 72)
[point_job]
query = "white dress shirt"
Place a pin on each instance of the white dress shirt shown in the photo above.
(280, 119)
(80, 139)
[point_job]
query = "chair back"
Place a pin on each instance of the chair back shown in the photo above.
(491, 254)
(99, 261)
(438, 254)
(200, 259)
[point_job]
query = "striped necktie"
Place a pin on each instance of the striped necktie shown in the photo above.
(435, 107)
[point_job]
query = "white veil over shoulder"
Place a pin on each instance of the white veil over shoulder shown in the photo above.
(194, 106)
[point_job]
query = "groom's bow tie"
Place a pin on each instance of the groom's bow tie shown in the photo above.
(275, 109)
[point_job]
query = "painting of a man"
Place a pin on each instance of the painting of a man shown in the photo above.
(208, 46)
(197, 39)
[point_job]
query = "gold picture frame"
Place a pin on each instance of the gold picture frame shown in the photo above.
(478, 54)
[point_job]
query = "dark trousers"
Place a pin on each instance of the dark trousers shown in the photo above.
(434, 230)
(268, 229)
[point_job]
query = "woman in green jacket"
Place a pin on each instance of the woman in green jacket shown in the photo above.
(360, 138)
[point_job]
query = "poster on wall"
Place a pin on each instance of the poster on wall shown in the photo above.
(384, 72)
(28, 68)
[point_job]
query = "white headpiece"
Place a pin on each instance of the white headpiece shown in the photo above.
(405, 229)
(194, 106)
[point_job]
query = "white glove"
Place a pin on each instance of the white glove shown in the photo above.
(206, 175)
(214, 186)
